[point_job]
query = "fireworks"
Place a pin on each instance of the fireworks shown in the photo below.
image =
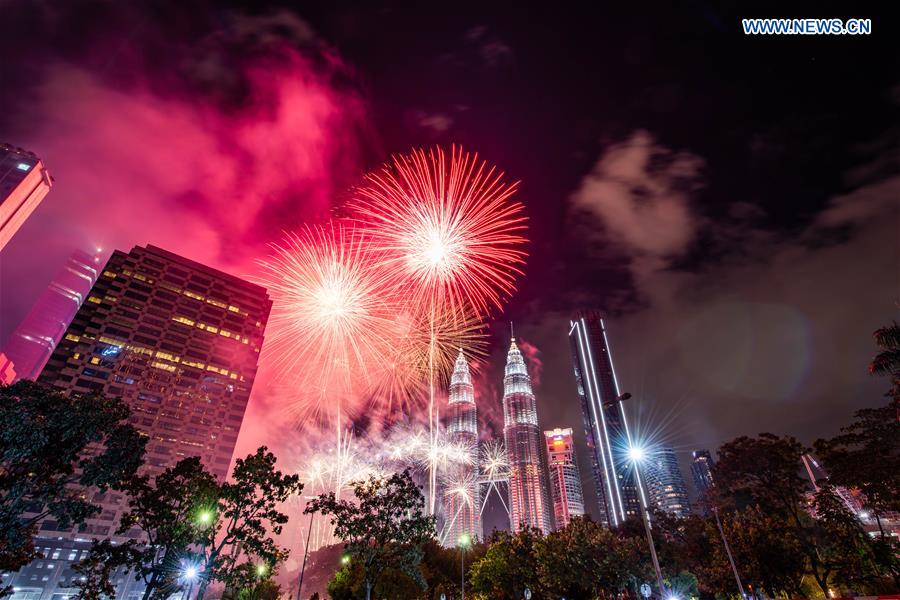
(331, 326)
(447, 230)
(494, 461)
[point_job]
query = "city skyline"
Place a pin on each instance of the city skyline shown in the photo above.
(311, 228)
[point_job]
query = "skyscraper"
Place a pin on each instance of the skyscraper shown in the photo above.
(565, 480)
(179, 343)
(665, 484)
(31, 344)
(461, 497)
(605, 425)
(701, 470)
(23, 184)
(529, 503)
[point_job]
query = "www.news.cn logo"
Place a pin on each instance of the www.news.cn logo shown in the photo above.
(807, 26)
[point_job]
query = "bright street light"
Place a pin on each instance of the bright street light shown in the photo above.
(345, 559)
(205, 517)
(636, 453)
(464, 540)
(189, 573)
(261, 569)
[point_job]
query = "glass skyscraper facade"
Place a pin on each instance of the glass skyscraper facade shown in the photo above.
(565, 480)
(23, 184)
(462, 502)
(179, 343)
(529, 503)
(701, 470)
(605, 424)
(665, 484)
(31, 344)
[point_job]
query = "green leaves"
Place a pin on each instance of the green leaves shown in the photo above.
(52, 447)
(384, 526)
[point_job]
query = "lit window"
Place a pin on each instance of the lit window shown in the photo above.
(95, 360)
(163, 366)
(72, 337)
(167, 356)
(184, 320)
(23, 166)
(94, 299)
(109, 274)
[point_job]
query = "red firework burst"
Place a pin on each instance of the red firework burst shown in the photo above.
(331, 327)
(447, 231)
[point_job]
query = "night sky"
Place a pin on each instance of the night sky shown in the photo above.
(729, 201)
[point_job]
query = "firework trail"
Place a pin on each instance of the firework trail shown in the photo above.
(494, 465)
(450, 240)
(458, 485)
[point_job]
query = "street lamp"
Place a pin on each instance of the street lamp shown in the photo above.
(637, 454)
(205, 517)
(261, 570)
(345, 559)
(463, 542)
(189, 572)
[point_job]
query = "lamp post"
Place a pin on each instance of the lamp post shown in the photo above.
(637, 455)
(463, 542)
(737, 578)
(305, 555)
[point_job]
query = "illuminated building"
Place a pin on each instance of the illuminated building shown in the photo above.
(528, 497)
(179, 343)
(565, 480)
(701, 470)
(462, 505)
(7, 370)
(605, 425)
(23, 184)
(31, 344)
(665, 484)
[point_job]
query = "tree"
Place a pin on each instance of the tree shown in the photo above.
(172, 513)
(247, 516)
(52, 449)
(584, 561)
(887, 361)
(384, 527)
(763, 474)
(95, 581)
(509, 566)
(866, 456)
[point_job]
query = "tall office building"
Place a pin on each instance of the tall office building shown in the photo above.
(529, 503)
(179, 343)
(24, 181)
(31, 344)
(565, 480)
(462, 503)
(605, 425)
(665, 484)
(701, 470)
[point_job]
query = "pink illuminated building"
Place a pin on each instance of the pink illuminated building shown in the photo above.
(31, 344)
(565, 480)
(23, 184)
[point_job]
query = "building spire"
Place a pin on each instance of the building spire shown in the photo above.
(512, 332)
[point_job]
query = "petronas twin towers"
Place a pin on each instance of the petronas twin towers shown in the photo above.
(529, 503)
